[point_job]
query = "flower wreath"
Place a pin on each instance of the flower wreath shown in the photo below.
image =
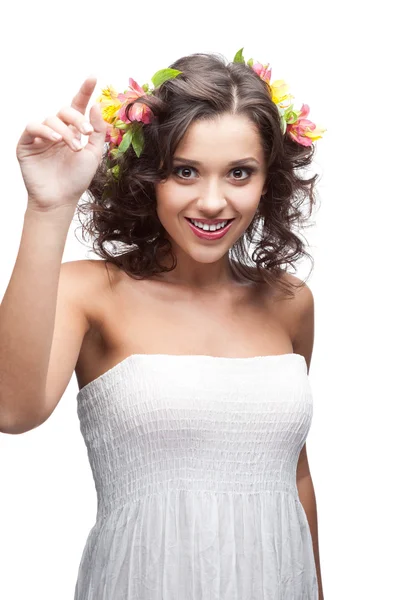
(124, 132)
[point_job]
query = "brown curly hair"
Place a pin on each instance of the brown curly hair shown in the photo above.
(122, 211)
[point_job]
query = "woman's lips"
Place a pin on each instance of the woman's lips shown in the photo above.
(209, 235)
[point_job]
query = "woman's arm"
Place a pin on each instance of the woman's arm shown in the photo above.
(308, 500)
(303, 338)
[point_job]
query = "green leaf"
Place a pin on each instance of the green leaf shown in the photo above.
(115, 171)
(145, 87)
(120, 124)
(126, 141)
(291, 116)
(164, 75)
(138, 139)
(250, 62)
(239, 56)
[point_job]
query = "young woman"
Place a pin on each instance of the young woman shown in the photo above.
(190, 341)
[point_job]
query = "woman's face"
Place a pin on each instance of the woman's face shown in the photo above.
(219, 172)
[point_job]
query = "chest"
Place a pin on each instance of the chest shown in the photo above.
(148, 318)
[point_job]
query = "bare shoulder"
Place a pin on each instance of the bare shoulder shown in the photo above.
(94, 269)
(303, 297)
(79, 297)
(87, 281)
(300, 313)
(82, 269)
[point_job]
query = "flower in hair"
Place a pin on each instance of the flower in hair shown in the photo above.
(294, 122)
(125, 128)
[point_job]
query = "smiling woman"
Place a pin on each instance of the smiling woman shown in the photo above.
(194, 400)
(211, 185)
(221, 224)
(213, 151)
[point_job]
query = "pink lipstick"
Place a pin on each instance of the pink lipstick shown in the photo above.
(210, 235)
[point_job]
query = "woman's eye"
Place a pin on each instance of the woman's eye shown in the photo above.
(184, 170)
(241, 169)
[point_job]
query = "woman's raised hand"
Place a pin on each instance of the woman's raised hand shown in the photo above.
(56, 173)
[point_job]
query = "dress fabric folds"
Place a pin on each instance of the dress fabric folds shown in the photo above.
(194, 462)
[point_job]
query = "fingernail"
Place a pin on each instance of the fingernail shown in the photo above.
(87, 128)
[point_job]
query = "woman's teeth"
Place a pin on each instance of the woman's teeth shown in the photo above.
(206, 227)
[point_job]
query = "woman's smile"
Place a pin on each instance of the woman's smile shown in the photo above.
(210, 232)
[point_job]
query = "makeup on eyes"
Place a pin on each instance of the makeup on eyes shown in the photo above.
(249, 170)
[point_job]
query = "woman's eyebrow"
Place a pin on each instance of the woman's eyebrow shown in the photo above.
(233, 162)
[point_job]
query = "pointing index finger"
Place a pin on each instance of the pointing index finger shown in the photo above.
(82, 98)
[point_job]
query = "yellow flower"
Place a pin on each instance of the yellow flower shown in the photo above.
(280, 91)
(110, 104)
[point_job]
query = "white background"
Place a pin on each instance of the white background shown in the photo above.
(341, 59)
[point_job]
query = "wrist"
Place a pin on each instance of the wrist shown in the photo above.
(61, 212)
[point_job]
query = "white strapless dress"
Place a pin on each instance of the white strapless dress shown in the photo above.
(194, 461)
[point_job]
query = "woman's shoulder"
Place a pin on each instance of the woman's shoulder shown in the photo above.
(299, 290)
(300, 299)
(89, 280)
(94, 271)
(85, 272)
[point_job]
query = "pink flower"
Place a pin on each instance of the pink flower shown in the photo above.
(303, 131)
(114, 135)
(138, 112)
(263, 71)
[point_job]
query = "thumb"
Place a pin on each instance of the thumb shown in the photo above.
(97, 138)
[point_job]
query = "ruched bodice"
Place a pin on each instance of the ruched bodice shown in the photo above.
(194, 461)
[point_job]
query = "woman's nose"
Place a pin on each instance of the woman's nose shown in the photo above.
(211, 197)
